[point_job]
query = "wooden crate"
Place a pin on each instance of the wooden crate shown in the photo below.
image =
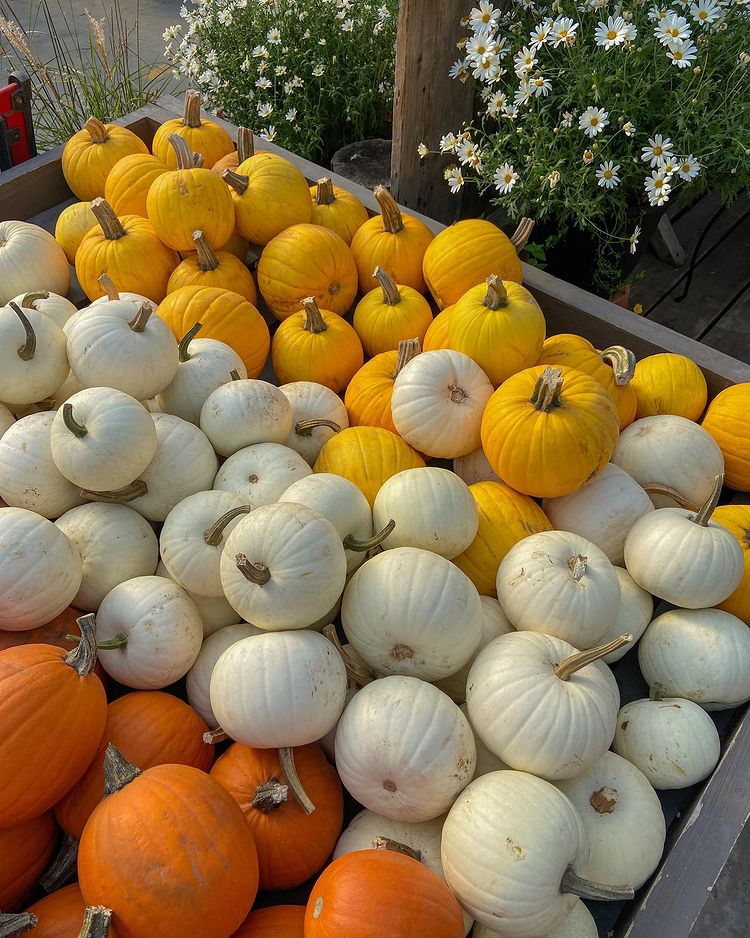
(705, 821)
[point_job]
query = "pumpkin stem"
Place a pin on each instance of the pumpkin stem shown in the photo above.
(574, 884)
(63, 868)
(325, 194)
(704, 515)
(118, 496)
(656, 692)
(96, 922)
(108, 221)
(656, 488)
(11, 925)
(254, 572)
(109, 288)
(235, 375)
(457, 395)
(77, 429)
(118, 772)
(237, 182)
(185, 156)
(191, 116)
(546, 394)
(407, 349)
(578, 565)
(286, 757)
(622, 362)
(314, 321)
(207, 260)
(604, 801)
(306, 427)
(28, 299)
(352, 543)
(385, 843)
(497, 295)
(27, 351)
(269, 796)
(83, 658)
(245, 144)
(97, 130)
(139, 321)
(198, 161)
(522, 234)
(391, 294)
(182, 349)
(355, 672)
(108, 644)
(392, 219)
(213, 536)
(568, 666)
(212, 737)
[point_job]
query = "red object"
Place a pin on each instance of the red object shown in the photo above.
(17, 141)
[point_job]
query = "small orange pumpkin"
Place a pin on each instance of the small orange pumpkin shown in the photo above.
(337, 209)
(25, 852)
(727, 420)
(387, 315)
(275, 921)
(436, 336)
(60, 914)
(736, 518)
(209, 268)
(129, 182)
(368, 396)
(91, 153)
(73, 223)
(202, 136)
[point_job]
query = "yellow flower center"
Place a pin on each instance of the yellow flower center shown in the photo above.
(608, 173)
(702, 15)
(677, 55)
(658, 183)
(612, 34)
(594, 121)
(658, 151)
(485, 17)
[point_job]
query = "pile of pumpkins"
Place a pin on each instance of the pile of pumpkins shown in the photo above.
(401, 568)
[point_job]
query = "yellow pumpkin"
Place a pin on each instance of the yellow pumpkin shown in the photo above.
(307, 260)
(736, 518)
(368, 457)
(189, 198)
(238, 246)
(505, 518)
(368, 396)
(669, 384)
(129, 251)
(209, 268)
(613, 368)
(316, 345)
(390, 313)
(500, 326)
(225, 316)
(727, 420)
(202, 136)
(546, 431)
(91, 153)
(465, 254)
(269, 195)
(73, 223)
(394, 241)
(337, 209)
(245, 149)
(436, 336)
(129, 181)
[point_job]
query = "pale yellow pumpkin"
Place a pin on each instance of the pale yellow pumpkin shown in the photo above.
(390, 313)
(337, 209)
(73, 223)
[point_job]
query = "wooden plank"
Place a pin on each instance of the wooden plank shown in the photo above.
(731, 333)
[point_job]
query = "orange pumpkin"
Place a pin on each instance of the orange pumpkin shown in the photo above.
(736, 518)
(202, 136)
(727, 421)
(316, 345)
(389, 314)
(394, 241)
(225, 316)
(368, 396)
(60, 914)
(52, 715)
(276, 921)
(465, 254)
(90, 154)
(129, 181)
(149, 728)
(381, 894)
(182, 839)
(436, 336)
(25, 852)
(209, 268)
(337, 209)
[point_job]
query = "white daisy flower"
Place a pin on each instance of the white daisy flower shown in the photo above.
(607, 175)
(588, 157)
(688, 168)
(510, 111)
(483, 67)
(628, 128)
(669, 165)
(524, 61)
(705, 12)
(484, 16)
(553, 178)
(454, 178)
(496, 102)
(171, 32)
(657, 13)
(468, 153)
(268, 133)
(567, 119)
(523, 94)
(263, 83)
(448, 143)
(593, 121)
(657, 188)
(260, 52)
(225, 17)
(682, 54)
(265, 109)
(495, 73)
(631, 32)
(480, 45)
(634, 239)
(563, 31)
(540, 34)
(297, 82)
(459, 69)
(291, 115)
(274, 36)
(347, 26)
(540, 85)
(671, 28)
(322, 42)
(318, 70)
(658, 149)
(505, 178)
(612, 33)
(280, 70)
(423, 151)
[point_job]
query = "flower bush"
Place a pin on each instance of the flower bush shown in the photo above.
(592, 113)
(311, 74)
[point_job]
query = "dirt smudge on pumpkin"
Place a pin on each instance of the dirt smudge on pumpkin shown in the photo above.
(514, 849)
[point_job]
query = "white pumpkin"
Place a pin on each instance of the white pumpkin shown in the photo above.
(623, 820)
(486, 761)
(404, 749)
(328, 742)
(193, 538)
(633, 615)
(283, 567)
(409, 611)
(339, 500)
(149, 632)
(55, 307)
(317, 413)
(29, 477)
(438, 401)
(198, 682)
(112, 294)
(474, 467)
(102, 439)
(684, 557)
(432, 508)
(115, 544)
(40, 570)
(280, 689)
(261, 473)
(30, 259)
(184, 463)
(135, 353)
(513, 849)
(602, 511)
(70, 386)
(700, 654)
(670, 451)
(560, 584)
(542, 706)
(240, 413)
(494, 624)
(577, 924)
(6, 419)
(215, 611)
(33, 363)
(203, 366)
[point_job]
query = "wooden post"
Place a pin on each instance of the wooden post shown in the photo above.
(427, 103)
